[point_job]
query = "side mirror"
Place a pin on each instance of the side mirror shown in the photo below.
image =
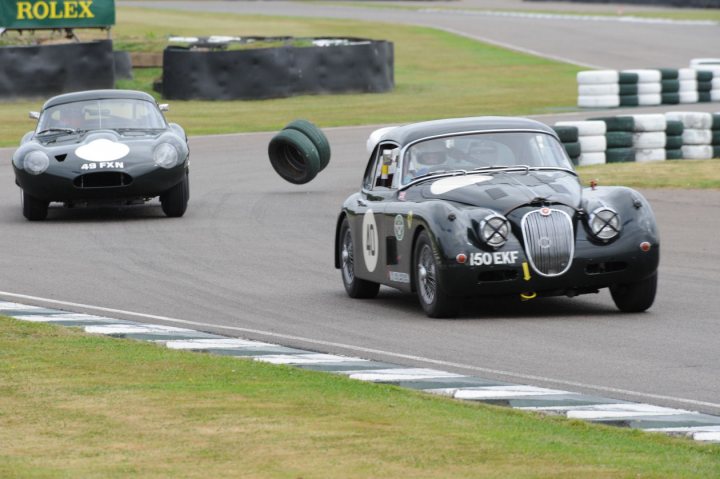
(34, 115)
(164, 107)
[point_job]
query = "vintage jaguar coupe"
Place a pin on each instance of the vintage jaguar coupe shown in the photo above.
(488, 207)
(102, 147)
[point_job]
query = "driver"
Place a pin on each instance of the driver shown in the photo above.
(72, 116)
(425, 158)
(484, 152)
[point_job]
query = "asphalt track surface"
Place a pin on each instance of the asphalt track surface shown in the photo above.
(253, 258)
(592, 42)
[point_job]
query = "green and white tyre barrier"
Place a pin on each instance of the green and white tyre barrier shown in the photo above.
(644, 155)
(649, 140)
(649, 122)
(591, 158)
(603, 89)
(673, 142)
(697, 152)
(619, 139)
(645, 75)
(619, 155)
(692, 119)
(697, 137)
(598, 89)
(598, 77)
(585, 128)
(599, 101)
(592, 144)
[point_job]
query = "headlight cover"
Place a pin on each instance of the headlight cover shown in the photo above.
(494, 230)
(165, 155)
(36, 162)
(605, 223)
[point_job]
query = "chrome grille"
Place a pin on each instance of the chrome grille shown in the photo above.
(549, 241)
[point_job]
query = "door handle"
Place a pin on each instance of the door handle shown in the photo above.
(361, 203)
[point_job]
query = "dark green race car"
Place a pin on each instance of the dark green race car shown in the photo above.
(102, 147)
(471, 207)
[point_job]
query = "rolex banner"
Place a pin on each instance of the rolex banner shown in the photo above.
(32, 14)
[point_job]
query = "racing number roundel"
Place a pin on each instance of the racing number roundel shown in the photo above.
(370, 240)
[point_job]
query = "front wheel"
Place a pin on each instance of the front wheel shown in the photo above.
(434, 301)
(174, 201)
(355, 287)
(33, 208)
(635, 297)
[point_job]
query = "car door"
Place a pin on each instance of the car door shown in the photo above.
(370, 228)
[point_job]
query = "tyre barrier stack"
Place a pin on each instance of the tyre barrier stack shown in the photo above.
(569, 136)
(299, 152)
(697, 134)
(647, 87)
(591, 139)
(643, 138)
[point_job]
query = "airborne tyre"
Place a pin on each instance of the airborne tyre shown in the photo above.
(434, 301)
(294, 156)
(635, 297)
(355, 287)
(33, 208)
(174, 201)
(316, 136)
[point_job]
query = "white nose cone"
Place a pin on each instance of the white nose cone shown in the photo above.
(102, 150)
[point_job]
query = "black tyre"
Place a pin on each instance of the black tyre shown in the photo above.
(434, 301)
(635, 297)
(294, 156)
(619, 139)
(572, 149)
(33, 208)
(355, 287)
(175, 200)
(316, 136)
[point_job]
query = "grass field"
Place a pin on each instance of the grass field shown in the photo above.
(476, 79)
(702, 174)
(75, 405)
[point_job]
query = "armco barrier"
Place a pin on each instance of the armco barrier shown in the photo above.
(358, 65)
(46, 70)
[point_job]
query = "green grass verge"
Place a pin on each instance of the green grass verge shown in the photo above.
(75, 405)
(704, 174)
(473, 79)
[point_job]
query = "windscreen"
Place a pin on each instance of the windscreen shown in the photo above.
(468, 152)
(103, 114)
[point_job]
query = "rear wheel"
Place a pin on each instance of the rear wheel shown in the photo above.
(434, 301)
(33, 208)
(635, 297)
(174, 201)
(355, 287)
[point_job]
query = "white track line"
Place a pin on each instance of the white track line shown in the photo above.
(360, 349)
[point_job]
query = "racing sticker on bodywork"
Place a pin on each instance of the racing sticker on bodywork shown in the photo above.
(102, 150)
(399, 226)
(370, 240)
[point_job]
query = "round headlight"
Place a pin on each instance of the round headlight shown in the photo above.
(605, 223)
(36, 162)
(494, 230)
(166, 155)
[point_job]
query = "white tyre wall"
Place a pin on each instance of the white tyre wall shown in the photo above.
(692, 119)
(586, 128)
(645, 75)
(650, 154)
(688, 85)
(645, 88)
(593, 77)
(695, 62)
(691, 136)
(715, 95)
(595, 158)
(716, 82)
(599, 89)
(689, 97)
(651, 140)
(687, 74)
(651, 122)
(603, 101)
(697, 152)
(592, 144)
(649, 99)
